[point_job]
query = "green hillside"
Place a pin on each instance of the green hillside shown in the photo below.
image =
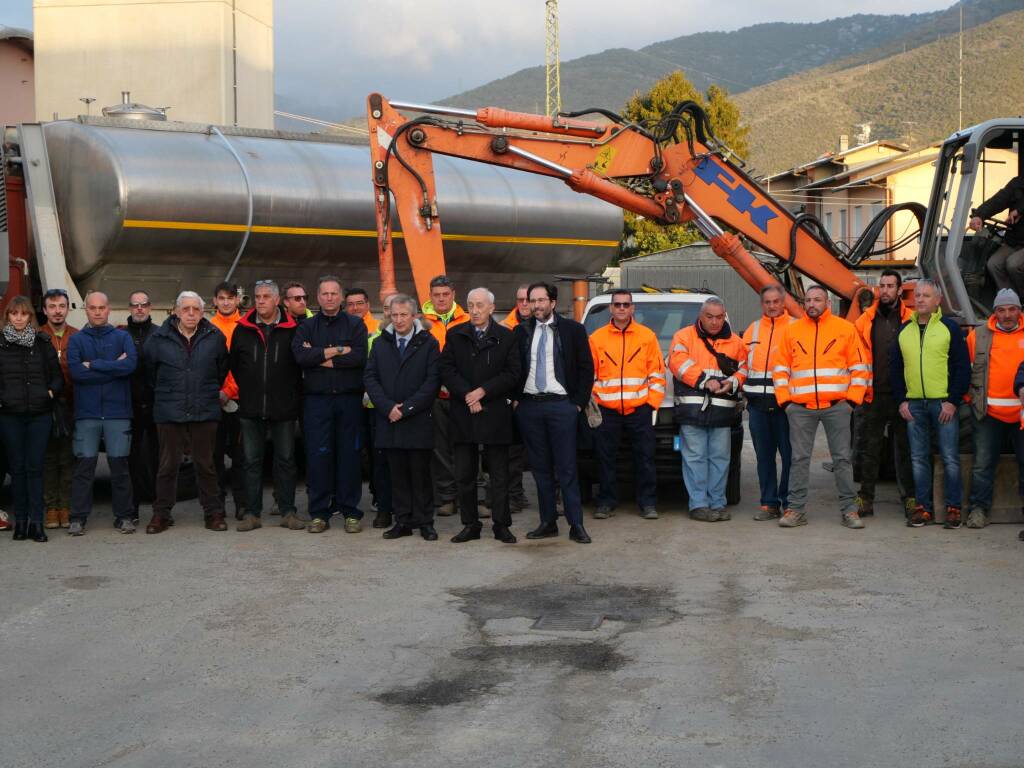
(909, 97)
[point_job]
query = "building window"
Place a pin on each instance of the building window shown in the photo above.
(844, 234)
(828, 224)
(858, 220)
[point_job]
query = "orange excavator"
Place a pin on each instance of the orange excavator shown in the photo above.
(672, 171)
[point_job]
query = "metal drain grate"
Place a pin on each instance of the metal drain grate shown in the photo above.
(569, 622)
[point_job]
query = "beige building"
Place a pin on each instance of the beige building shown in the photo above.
(208, 61)
(17, 79)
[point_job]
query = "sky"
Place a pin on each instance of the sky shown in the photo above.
(331, 53)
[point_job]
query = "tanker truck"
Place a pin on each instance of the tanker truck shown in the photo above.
(131, 200)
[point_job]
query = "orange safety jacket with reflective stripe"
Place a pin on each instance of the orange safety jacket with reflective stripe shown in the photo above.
(863, 326)
(1005, 355)
(820, 363)
(762, 340)
(693, 366)
(439, 330)
(226, 325)
(511, 319)
(628, 369)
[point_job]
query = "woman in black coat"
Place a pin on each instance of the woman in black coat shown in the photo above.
(402, 381)
(480, 366)
(30, 382)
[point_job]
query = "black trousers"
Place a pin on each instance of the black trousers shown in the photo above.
(143, 461)
(412, 486)
(229, 444)
(467, 461)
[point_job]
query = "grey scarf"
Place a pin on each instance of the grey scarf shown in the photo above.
(25, 338)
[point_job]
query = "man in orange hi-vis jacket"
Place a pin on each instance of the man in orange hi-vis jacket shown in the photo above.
(629, 386)
(709, 363)
(821, 373)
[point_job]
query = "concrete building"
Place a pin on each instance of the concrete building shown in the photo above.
(17, 78)
(209, 61)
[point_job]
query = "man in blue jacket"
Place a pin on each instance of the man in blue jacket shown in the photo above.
(101, 360)
(330, 347)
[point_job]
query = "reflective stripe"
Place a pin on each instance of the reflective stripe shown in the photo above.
(759, 389)
(685, 366)
(753, 374)
(860, 367)
(627, 382)
(718, 401)
(813, 372)
(782, 369)
(656, 376)
(620, 396)
(679, 348)
(753, 343)
(782, 382)
(1003, 402)
(713, 372)
(808, 389)
(658, 387)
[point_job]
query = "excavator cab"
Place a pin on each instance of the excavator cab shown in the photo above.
(972, 166)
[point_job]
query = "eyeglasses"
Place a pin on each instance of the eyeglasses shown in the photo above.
(622, 304)
(53, 292)
(264, 282)
(138, 304)
(296, 298)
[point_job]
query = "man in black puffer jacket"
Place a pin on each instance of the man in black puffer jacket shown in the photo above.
(330, 347)
(268, 380)
(144, 456)
(186, 360)
(402, 380)
(1006, 265)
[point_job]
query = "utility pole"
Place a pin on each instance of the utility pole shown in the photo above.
(552, 75)
(960, 118)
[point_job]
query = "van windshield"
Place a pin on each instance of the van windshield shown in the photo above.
(662, 317)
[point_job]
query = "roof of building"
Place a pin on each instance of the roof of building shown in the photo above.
(836, 157)
(19, 36)
(886, 166)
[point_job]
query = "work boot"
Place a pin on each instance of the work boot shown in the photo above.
(952, 518)
(292, 522)
(865, 507)
(353, 525)
(382, 520)
(603, 513)
(65, 517)
(719, 514)
(852, 519)
(215, 522)
(977, 518)
(249, 523)
(701, 513)
(52, 519)
(649, 513)
(446, 510)
(920, 517)
(767, 512)
(792, 518)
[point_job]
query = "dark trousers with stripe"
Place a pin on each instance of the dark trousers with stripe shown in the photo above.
(639, 428)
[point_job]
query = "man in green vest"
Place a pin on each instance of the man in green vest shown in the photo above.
(931, 371)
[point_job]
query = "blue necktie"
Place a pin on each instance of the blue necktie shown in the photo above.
(401, 348)
(541, 377)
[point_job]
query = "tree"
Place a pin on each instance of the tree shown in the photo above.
(645, 236)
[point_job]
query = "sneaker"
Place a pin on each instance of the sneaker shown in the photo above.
(5, 521)
(318, 525)
(908, 506)
(249, 523)
(920, 517)
(977, 518)
(292, 523)
(76, 528)
(792, 518)
(865, 507)
(767, 513)
(603, 513)
(701, 513)
(126, 525)
(353, 525)
(721, 514)
(649, 513)
(952, 518)
(852, 519)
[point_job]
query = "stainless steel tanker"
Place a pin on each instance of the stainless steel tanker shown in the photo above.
(166, 206)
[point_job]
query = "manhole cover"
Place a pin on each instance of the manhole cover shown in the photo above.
(569, 622)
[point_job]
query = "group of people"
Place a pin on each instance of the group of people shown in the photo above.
(439, 396)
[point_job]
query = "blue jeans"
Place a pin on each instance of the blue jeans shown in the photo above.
(117, 443)
(548, 428)
(989, 435)
(705, 452)
(769, 431)
(920, 432)
(331, 427)
(25, 437)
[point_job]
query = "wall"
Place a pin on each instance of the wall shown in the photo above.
(173, 53)
(17, 84)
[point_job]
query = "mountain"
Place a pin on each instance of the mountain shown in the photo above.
(910, 97)
(737, 61)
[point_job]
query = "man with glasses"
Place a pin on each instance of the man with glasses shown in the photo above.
(59, 465)
(295, 301)
(517, 452)
(629, 388)
(330, 347)
(144, 456)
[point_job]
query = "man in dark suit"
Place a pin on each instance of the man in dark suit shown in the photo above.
(402, 380)
(480, 366)
(556, 380)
